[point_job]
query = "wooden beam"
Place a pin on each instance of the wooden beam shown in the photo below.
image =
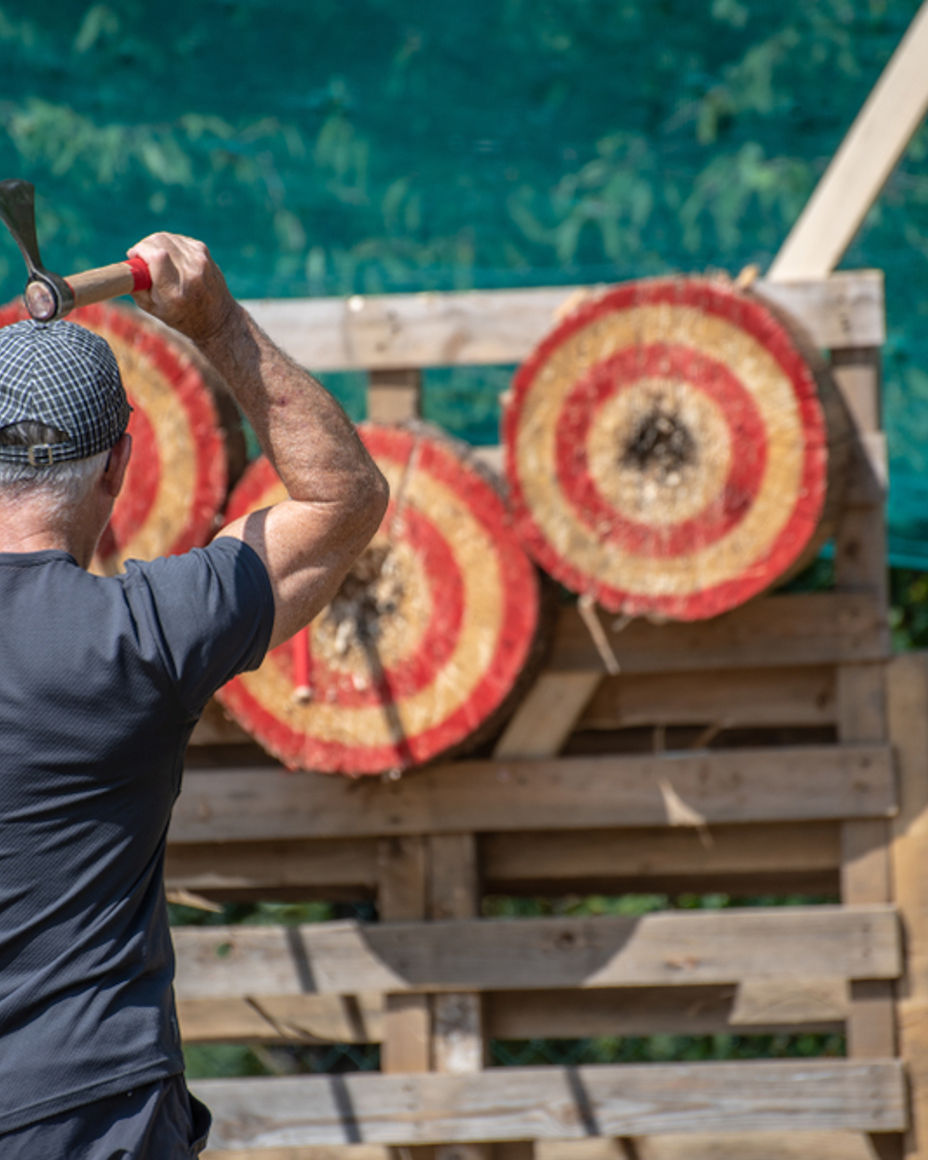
(555, 1103)
(668, 947)
(704, 1146)
(402, 896)
(754, 1006)
(646, 859)
(394, 395)
(282, 1019)
(548, 715)
(852, 182)
(501, 327)
(908, 724)
(730, 698)
(830, 312)
(785, 1145)
(222, 869)
(724, 786)
(807, 629)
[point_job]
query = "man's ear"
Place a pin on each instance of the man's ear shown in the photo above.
(115, 471)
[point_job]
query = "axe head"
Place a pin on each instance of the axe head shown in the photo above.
(47, 296)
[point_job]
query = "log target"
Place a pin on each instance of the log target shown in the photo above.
(184, 439)
(667, 449)
(428, 640)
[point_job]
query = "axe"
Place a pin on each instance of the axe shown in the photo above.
(49, 296)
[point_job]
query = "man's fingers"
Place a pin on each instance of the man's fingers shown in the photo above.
(188, 290)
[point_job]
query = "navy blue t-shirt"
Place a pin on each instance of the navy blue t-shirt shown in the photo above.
(101, 683)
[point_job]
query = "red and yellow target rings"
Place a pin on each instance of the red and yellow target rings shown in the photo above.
(666, 449)
(424, 641)
(178, 475)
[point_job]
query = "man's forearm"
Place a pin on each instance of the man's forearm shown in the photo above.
(300, 427)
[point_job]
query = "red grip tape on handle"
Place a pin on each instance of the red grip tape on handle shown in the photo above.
(141, 275)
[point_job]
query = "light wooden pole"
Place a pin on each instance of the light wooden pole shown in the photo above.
(859, 170)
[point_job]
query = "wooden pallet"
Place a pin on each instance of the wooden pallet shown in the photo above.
(647, 798)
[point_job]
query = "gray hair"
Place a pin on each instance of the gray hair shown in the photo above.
(60, 487)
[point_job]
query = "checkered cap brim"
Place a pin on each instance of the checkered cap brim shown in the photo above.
(63, 376)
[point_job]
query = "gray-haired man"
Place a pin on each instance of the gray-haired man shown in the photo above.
(101, 682)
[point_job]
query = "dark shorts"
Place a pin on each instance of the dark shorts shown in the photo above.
(158, 1121)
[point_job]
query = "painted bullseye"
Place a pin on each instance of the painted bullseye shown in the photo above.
(676, 486)
(666, 449)
(426, 637)
(582, 414)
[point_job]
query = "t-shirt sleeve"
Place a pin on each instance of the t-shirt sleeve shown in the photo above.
(211, 612)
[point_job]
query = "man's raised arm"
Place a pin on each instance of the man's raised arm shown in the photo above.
(337, 494)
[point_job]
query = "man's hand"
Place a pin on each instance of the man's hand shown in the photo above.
(188, 291)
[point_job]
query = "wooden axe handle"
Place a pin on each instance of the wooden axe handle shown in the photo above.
(109, 281)
(49, 297)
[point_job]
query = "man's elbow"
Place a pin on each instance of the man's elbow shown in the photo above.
(370, 501)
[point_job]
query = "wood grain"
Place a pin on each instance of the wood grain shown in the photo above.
(908, 723)
(501, 327)
(816, 782)
(650, 859)
(730, 698)
(784, 1145)
(797, 629)
(671, 948)
(754, 1006)
(555, 1103)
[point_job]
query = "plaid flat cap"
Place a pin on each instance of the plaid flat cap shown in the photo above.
(62, 376)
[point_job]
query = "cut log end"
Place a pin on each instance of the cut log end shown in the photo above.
(673, 449)
(427, 641)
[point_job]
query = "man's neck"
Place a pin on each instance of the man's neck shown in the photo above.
(23, 529)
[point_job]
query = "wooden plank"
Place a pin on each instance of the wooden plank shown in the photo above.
(852, 182)
(454, 881)
(908, 725)
(702, 1146)
(646, 859)
(860, 565)
(708, 1146)
(312, 1152)
(402, 887)
(282, 1019)
(402, 895)
(857, 371)
(669, 947)
(501, 327)
(459, 1043)
(846, 310)
(394, 395)
(555, 1103)
(548, 715)
(868, 471)
(754, 1005)
(228, 868)
(816, 782)
(798, 629)
(730, 698)
(795, 857)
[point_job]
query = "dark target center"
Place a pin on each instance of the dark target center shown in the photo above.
(661, 444)
(370, 591)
